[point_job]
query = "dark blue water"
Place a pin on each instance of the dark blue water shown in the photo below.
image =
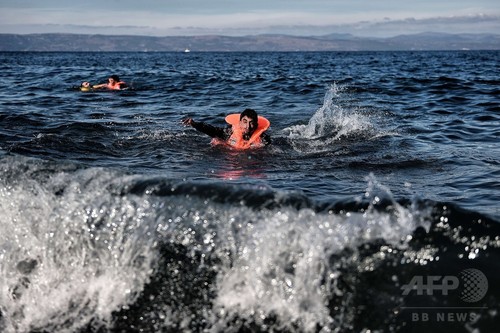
(380, 190)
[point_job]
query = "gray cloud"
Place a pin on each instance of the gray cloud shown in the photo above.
(480, 23)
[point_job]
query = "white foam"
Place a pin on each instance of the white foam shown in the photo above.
(281, 262)
(90, 257)
(95, 250)
(337, 118)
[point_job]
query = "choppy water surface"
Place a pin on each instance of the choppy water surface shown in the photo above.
(384, 169)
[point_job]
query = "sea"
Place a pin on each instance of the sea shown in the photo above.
(374, 209)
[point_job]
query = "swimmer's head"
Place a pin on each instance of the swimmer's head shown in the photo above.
(248, 121)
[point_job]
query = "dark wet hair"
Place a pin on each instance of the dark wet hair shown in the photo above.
(115, 77)
(252, 114)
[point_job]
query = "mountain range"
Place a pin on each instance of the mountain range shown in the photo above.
(58, 42)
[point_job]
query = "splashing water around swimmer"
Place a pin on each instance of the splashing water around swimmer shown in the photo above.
(336, 119)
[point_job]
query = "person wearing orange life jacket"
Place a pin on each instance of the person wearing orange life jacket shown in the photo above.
(114, 83)
(245, 130)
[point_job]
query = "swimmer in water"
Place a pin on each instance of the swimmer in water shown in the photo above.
(114, 83)
(246, 130)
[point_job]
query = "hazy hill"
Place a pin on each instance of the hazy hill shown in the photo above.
(333, 42)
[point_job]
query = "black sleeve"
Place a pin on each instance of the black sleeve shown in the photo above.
(212, 131)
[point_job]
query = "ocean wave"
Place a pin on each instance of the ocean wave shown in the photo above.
(102, 249)
(66, 245)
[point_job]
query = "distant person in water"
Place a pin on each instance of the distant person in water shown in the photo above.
(245, 130)
(114, 83)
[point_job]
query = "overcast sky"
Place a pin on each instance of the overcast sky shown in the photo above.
(244, 17)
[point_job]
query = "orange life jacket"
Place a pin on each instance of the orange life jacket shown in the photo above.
(236, 140)
(116, 85)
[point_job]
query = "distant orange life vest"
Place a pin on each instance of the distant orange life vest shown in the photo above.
(116, 85)
(236, 140)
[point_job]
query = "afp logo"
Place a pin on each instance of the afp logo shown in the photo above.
(471, 283)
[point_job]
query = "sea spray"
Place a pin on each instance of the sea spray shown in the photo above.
(94, 246)
(336, 119)
(282, 270)
(85, 250)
